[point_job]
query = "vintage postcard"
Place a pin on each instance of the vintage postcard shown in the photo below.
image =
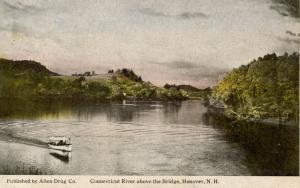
(185, 93)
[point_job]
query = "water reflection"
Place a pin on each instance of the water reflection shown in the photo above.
(122, 138)
(34, 109)
(271, 149)
(64, 156)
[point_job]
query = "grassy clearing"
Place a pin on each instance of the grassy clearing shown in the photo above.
(65, 78)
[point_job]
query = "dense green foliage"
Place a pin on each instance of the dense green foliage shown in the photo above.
(191, 92)
(143, 90)
(24, 67)
(31, 79)
(20, 78)
(129, 74)
(265, 88)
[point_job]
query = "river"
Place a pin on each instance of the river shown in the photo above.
(118, 138)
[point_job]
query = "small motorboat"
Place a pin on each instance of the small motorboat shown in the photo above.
(60, 143)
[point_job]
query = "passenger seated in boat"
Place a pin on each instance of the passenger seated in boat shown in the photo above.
(59, 141)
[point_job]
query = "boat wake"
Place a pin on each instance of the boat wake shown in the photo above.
(7, 136)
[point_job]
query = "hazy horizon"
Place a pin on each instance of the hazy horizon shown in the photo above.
(181, 42)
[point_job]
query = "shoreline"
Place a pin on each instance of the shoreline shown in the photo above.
(84, 98)
(269, 121)
(269, 146)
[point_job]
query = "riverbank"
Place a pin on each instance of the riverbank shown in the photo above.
(269, 121)
(266, 89)
(272, 149)
(31, 79)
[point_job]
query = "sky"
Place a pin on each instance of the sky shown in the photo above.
(164, 41)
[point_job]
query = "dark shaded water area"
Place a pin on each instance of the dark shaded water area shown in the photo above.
(140, 138)
(272, 149)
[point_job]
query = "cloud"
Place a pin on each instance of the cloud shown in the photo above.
(21, 7)
(190, 15)
(151, 12)
(186, 39)
(293, 38)
(289, 40)
(286, 7)
(21, 30)
(183, 15)
(183, 72)
(192, 68)
(291, 33)
(177, 64)
(16, 29)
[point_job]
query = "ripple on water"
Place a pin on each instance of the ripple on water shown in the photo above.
(149, 139)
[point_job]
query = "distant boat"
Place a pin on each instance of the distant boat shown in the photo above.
(60, 143)
(156, 105)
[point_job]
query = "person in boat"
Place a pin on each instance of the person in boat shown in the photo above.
(59, 141)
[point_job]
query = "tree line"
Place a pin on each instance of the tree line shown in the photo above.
(268, 87)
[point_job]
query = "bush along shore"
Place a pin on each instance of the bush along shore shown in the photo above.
(265, 90)
(31, 79)
(257, 106)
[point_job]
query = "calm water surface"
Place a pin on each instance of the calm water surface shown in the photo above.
(121, 138)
